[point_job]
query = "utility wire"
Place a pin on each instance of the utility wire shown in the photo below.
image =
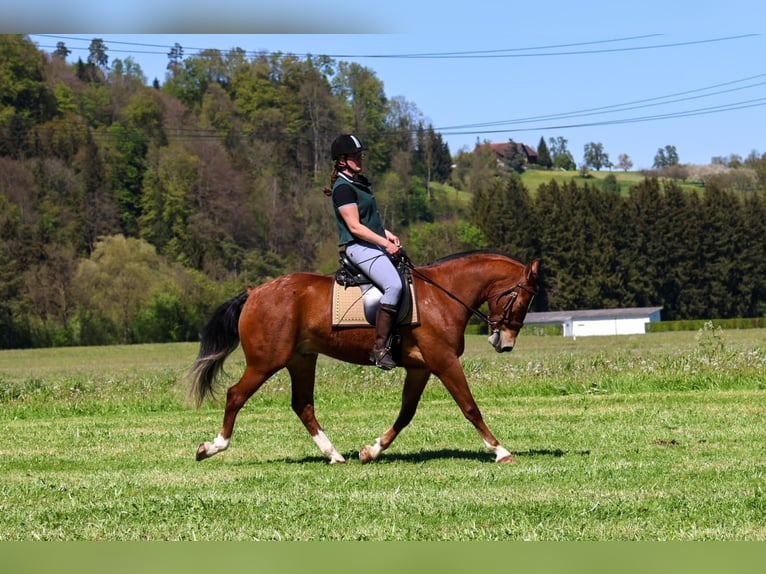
(480, 128)
(637, 104)
(757, 102)
(498, 53)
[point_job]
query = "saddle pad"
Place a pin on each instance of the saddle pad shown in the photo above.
(348, 307)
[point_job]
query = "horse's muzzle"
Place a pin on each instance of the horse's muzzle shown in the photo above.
(496, 339)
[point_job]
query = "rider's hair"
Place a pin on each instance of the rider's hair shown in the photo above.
(328, 190)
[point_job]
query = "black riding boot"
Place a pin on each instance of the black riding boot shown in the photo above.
(384, 322)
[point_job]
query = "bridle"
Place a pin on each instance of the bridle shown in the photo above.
(505, 317)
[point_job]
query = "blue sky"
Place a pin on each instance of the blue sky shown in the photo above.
(635, 79)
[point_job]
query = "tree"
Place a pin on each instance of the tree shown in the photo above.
(666, 157)
(97, 63)
(432, 157)
(429, 241)
(672, 155)
(48, 292)
(125, 165)
(624, 162)
(595, 156)
(504, 214)
(562, 158)
(660, 160)
(610, 184)
(175, 56)
(515, 160)
(167, 202)
(322, 112)
(366, 103)
(25, 95)
(116, 281)
(62, 51)
(543, 155)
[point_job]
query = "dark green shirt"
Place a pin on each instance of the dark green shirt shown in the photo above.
(355, 190)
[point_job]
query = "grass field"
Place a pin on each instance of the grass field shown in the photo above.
(533, 178)
(653, 437)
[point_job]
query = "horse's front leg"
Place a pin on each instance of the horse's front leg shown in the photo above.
(236, 397)
(302, 369)
(455, 382)
(414, 383)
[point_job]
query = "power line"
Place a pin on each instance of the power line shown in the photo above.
(637, 104)
(542, 122)
(524, 52)
(757, 102)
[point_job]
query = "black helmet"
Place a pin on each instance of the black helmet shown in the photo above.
(346, 144)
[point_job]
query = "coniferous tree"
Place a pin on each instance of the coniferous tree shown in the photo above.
(645, 201)
(752, 257)
(556, 232)
(720, 245)
(681, 282)
(514, 220)
(543, 155)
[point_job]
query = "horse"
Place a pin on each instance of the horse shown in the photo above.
(286, 323)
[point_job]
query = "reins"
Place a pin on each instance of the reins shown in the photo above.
(492, 324)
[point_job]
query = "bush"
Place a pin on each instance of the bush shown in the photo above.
(697, 324)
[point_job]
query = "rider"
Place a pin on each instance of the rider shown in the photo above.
(362, 235)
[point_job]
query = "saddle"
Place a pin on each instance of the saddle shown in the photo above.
(355, 297)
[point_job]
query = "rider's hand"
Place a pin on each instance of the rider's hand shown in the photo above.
(392, 248)
(393, 245)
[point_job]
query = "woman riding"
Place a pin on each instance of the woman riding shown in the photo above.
(364, 239)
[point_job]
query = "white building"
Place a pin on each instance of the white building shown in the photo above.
(589, 322)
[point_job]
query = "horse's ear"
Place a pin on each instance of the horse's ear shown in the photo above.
(533, 269)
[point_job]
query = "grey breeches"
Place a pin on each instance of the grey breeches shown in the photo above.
(377, 265)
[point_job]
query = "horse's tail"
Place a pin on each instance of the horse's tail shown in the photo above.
(219, 339)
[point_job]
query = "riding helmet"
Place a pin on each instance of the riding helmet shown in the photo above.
(346, 144)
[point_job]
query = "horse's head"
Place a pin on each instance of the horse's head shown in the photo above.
(508, 309)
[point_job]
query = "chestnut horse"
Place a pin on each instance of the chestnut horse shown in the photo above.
(286, 322)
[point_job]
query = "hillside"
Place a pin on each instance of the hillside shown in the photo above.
(533, 178)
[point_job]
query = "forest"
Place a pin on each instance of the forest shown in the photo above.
(130, 209)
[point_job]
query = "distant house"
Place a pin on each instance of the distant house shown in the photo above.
(503, 151)
(629, 321)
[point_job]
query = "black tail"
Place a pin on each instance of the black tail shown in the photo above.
(219, 340)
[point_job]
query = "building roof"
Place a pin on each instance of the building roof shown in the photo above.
(501, 149)
(559, 317)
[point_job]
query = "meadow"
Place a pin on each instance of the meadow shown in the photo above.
(651, 437)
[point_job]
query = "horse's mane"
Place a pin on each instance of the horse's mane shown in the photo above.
(474, 252)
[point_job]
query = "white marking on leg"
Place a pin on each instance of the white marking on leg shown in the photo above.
(375, 450)
(500, 451)
(327, 448)
(219, 444)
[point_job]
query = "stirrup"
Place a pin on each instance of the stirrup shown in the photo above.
(383, 359)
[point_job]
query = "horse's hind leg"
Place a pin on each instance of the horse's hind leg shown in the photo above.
(302, 369)
(236, 397)
(414, 383)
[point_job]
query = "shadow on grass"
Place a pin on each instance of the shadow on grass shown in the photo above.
(441, 454)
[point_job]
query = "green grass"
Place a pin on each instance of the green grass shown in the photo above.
(533, 178)
(653, 437)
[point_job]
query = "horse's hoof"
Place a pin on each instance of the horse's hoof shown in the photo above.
(365, 456)
(201, 452)
(510, 459)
